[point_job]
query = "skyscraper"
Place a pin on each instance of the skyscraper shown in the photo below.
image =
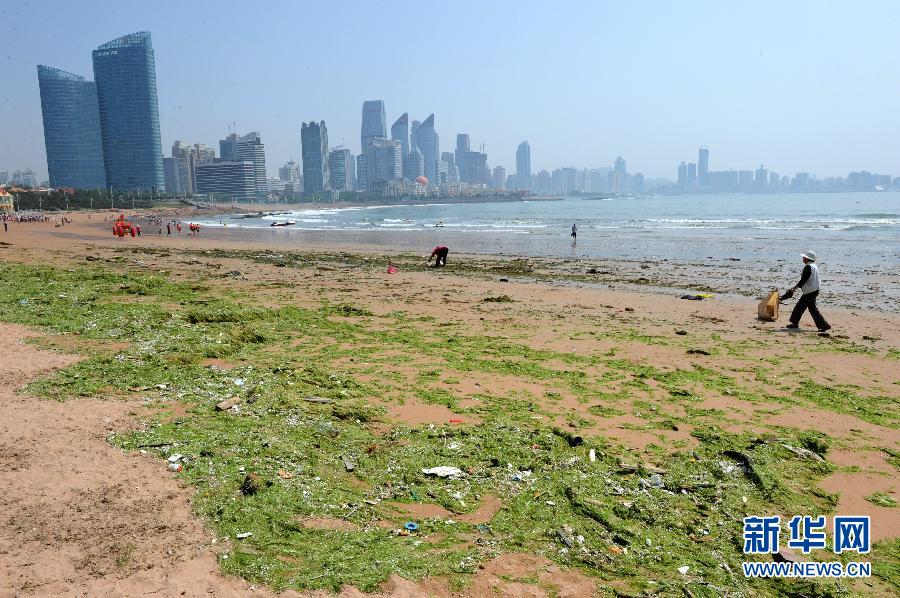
(691, 174)
(413, 134)
(400, 132)
(314, 147)
(250, 148)
(374, 123)
(414, 165)
(125, 72)
(341, 169)
(428, 144)
(499, 177)
(71, 129)
(463, 146)
(703, 166)
(523, 166)
(247, 148)
(682, 174)
(384, 163)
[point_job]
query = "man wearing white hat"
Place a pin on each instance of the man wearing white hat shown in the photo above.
(809, 285)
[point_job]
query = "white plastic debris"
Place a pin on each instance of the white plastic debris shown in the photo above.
(243, 535)
(683, 569)
(592, 455)
(239, 381)
(443, 471)
(176, 458)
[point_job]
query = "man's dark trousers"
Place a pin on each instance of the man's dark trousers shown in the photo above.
(808, 301)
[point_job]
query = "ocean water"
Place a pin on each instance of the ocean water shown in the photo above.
(857, 228)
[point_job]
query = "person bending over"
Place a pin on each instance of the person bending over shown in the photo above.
(440, 252)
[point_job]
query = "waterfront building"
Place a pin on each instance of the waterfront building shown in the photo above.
(72, 137)
(463, 146)
(233, 181)
(427, 141)
(477, 172)
(703, 166)
(384, 163)
(374, 123)
(171, 169)
(400, 132)
(414, 167)
(682, 174)
(314, 147)
(745, 179)
(762, 177)
(342, 169)
(125, 74)
(498, 177)
(637, 183)
(413, 134)
(523, 166)
(290, 174)
(691, 174)
(249, 148)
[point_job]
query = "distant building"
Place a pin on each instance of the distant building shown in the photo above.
(413, 130)
(314, 147)
(691, 174)
(234, 181)
(703, 166)
(247, 148)
(745, 179)
(414, 166)
(384, 163)
(428, 143)
(523, 166)
(71, 129)
(125, 72)
(463, 147)
(342, 169)
(400, 132)
(188, 157)
(682, 175)
(173, 178)
(762, 177)
(290, 173)
(498, 177)
(544, 181)
(637, 183)
(476, 169)
(275, 185)
(374, 123)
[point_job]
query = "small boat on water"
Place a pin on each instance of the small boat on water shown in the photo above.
(283, 223)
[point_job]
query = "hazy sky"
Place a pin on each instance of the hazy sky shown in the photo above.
(800, 86)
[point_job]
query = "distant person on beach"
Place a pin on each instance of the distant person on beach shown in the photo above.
(168, 229)
(809, 285)
(574, 231)
(440, 252)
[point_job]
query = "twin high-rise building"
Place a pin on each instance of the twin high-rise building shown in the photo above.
(428, 143)
(374, 123)
(247, 148)
(119, 108)
(523, 166)
(125, 72)
(400, 132)
(314, 147)
(71, 129)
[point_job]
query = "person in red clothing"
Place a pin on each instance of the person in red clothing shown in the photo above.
(440, 252)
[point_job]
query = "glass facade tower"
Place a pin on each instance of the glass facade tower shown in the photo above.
(71, 129)
(125, 72)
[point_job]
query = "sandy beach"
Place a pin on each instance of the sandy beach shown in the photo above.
(84, 515)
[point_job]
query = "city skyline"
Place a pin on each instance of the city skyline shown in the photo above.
(584, 126)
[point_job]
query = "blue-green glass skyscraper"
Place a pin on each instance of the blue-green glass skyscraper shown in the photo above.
(125, 72)
(71, 129)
